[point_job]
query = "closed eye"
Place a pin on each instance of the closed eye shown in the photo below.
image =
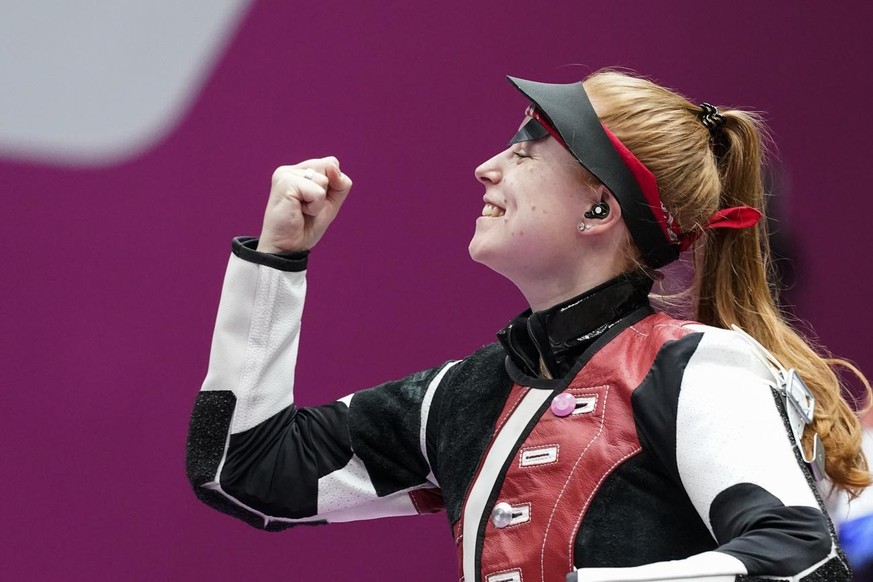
(520, 154)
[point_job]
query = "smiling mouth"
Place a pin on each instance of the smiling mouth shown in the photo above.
(492, 211)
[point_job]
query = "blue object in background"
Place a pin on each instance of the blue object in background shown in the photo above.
(856, 537)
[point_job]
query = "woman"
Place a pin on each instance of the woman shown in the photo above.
(598, 440)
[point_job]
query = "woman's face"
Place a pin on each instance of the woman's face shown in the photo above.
(535, 196)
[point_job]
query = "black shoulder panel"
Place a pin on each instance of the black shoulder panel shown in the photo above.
(384, 427)
(462, 421)
(656, 401)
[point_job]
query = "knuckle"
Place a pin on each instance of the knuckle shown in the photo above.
(305, 164)
(291, 193)
(279, 173)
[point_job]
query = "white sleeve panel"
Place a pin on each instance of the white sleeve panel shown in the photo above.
(397, 504)
(425, 416)
(348, 495)
(347, 487)
(254, 345)
(728, 429)
(705, 567)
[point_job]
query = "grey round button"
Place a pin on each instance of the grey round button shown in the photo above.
(501, 515)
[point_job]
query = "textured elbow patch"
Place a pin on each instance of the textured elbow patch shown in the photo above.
(207, 435)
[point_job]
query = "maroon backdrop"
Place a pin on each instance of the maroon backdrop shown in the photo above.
(111, 275)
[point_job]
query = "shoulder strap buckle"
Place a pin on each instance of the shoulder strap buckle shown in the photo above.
(799, 404)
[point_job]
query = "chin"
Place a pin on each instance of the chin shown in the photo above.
(477, 253)
(495, 253)
(484, 256)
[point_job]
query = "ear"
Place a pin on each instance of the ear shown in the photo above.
(607, 222)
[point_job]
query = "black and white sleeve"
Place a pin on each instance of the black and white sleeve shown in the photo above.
(252, 453)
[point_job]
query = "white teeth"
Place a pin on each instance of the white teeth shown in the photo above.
(492, 211)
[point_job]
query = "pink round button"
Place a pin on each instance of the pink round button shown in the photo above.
(563, 404)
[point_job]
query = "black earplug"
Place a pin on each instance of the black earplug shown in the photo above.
(599, 210)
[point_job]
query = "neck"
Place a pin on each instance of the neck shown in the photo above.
(551, 340)
(542, 293)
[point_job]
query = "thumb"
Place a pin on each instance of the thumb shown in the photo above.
(338, 183)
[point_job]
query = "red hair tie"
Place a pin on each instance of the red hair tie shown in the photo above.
(734, 217)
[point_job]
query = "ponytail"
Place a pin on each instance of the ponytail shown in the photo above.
(699, 173)
(734, 273)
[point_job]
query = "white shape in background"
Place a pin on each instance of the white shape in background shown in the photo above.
(95, 83)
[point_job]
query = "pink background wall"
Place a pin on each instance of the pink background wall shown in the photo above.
(111, 274)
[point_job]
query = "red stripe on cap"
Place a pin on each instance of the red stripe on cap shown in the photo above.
(642, 175)
(649, 187)
(534, 113)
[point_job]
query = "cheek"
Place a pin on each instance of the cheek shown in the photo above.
(549, 199)
(546, 225)
(555, 209)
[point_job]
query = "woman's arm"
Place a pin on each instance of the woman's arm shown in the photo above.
(252, 452)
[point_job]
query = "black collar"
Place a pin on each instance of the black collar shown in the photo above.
(560, 334)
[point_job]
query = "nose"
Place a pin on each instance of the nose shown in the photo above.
(489, 171)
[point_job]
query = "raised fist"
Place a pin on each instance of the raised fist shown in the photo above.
(304, 200)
